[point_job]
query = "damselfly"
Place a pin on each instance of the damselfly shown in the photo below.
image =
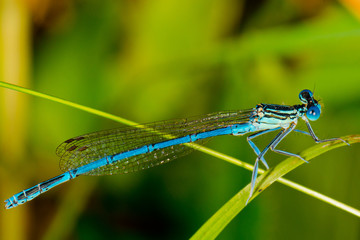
(132, 149)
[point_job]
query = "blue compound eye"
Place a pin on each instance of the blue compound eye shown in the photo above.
(305, 95)
(313, 113)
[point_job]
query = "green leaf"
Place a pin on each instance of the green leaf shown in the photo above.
(213, 227)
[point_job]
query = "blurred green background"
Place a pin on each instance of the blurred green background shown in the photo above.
(156, 60)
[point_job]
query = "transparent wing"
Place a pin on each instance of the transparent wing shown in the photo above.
(88, 148)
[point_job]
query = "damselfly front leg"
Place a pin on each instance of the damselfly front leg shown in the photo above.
(316, 139)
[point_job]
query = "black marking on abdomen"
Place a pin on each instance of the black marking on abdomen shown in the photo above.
(50, 181)
(30, 191)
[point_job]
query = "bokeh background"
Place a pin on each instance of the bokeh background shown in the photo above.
(155, 60)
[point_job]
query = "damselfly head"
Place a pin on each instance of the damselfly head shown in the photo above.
(313, 107)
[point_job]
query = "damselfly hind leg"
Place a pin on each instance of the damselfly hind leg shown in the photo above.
(255, 148)
(253, 179)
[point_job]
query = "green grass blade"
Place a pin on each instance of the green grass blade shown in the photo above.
(213, 227)
(68, 103)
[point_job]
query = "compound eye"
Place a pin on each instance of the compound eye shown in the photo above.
(313, 113)
(305, 95)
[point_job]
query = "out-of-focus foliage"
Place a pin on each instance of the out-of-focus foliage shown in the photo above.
(154, 60)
